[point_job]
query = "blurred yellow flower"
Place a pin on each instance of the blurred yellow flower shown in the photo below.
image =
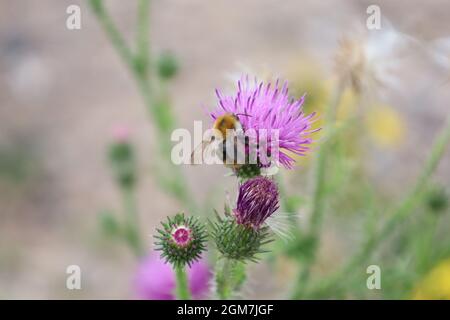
(436, 285)
(385, 126)
(307, 76)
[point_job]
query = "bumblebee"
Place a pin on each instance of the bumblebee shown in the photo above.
(222, 126)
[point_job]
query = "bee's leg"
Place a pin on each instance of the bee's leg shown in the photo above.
(224, 153)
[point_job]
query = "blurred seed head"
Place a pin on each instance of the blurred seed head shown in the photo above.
(369, 61)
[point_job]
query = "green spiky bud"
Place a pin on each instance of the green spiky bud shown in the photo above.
(237, 241)
(121, 155)
(437, 199)
(167, 65)
(181, 240)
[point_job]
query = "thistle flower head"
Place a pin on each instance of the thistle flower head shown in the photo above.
(241, 234)
(257, 200)
(268, 107)
(181, 240)
(181, 236)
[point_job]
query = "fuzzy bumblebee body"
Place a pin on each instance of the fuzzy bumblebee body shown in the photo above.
(223, 124)
(228, 121)
(221, 127)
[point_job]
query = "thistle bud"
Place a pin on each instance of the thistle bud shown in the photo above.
(241, 234)
(437, 199)
(257, 200)
(167, 65)
(181, 240)
(121, 155)
(238, 242)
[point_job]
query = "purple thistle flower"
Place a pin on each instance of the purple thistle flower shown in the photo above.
(155, 279)
(181, 236)
(268, 107)
(257, 200)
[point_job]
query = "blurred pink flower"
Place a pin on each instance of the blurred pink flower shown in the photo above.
(155, 279)
(121, 133)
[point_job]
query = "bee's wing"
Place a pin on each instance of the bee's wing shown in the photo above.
(203, 152)
(281, 225)
(233, 149)
(197, 153)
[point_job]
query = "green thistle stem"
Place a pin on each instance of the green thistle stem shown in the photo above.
(132, 234)
(140, 66)
(318, 202)
(182, 289)
(230, 276)
(402, 211)
(143, 52)
(113, 33)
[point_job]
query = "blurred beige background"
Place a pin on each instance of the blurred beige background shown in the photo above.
(62, 92)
